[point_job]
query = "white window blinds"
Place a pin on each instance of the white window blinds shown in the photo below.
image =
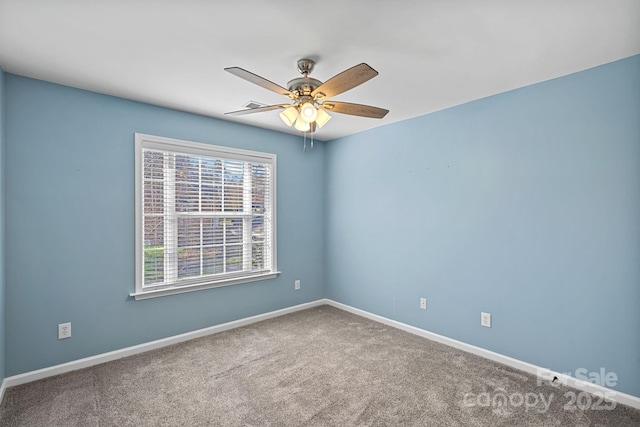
(206, 215)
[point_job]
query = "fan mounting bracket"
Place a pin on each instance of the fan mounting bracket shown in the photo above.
(305, 66)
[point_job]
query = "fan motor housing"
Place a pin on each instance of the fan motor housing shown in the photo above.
(303, 85)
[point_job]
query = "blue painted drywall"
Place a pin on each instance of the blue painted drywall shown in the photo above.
(525, 205)
(2, 305)
(70, 225)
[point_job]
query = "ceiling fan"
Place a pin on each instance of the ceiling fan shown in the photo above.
(309, 104)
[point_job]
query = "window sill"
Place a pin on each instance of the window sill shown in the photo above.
(154, 293)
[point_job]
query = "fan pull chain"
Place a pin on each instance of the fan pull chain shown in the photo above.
(305, 142)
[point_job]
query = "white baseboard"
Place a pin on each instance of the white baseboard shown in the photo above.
(542, 373)
(3, 388)
(141, 348)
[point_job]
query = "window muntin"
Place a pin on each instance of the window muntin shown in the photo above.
(205, 216)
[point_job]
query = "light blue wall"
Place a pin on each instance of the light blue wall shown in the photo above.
(525, 205)
(2, 305)
(70, 225)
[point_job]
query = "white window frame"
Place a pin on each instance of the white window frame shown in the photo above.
(143, 141)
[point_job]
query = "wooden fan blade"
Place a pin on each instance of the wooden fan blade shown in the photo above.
(260, 81)
(355, 109)
(344, 81)
(256, 110)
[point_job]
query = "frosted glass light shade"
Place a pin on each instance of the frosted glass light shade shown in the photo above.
(308, 112)
(322, 118)
(289, 115)
(302, 126)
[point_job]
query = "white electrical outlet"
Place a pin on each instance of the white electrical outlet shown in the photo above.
(423, 303)
(485, 319)
(296, 285)
(64, 330)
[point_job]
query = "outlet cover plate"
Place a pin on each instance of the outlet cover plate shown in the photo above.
(423, 303)
(64, 330)
(485, 319)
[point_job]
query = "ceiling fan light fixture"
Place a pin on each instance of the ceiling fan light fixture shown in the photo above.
(302, 126)
(308, 112)
(322, 118)
(289, 116)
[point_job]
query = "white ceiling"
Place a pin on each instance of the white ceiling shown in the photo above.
(431, 54)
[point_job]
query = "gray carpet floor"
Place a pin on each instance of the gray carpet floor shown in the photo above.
(318, 367)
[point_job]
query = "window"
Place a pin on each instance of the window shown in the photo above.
(205, 216)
